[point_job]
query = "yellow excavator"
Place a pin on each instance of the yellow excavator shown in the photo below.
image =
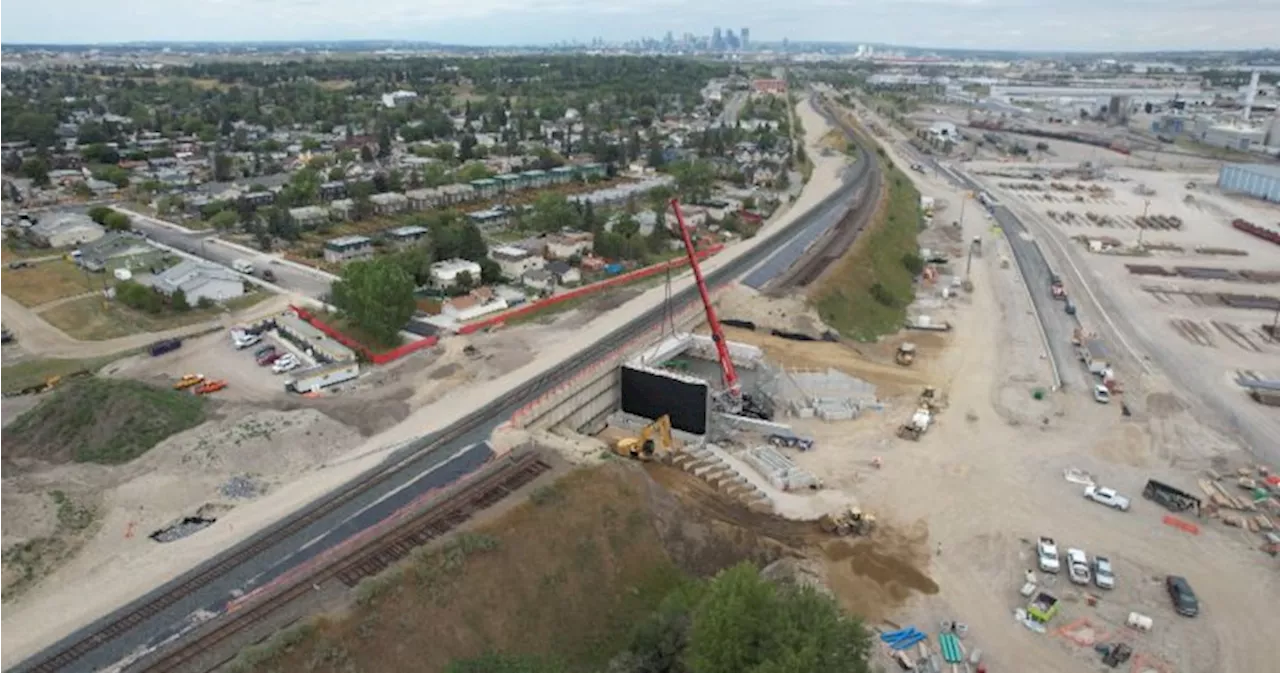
(653, 441)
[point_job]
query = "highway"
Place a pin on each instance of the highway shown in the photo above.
(429, 462)
(207, 245)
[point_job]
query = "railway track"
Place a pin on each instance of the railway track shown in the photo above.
(831, 246)
(367, 560)
(154, 608)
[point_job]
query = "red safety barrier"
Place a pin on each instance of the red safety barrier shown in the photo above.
(1171, 520)
(375, 358)
(622, 279)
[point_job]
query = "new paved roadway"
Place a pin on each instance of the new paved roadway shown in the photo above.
(429, 462)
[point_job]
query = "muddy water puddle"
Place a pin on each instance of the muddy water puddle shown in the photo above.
(897, 574)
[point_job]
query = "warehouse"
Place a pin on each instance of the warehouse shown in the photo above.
(1252, 179)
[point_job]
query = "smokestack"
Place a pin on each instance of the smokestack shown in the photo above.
(1250, 94)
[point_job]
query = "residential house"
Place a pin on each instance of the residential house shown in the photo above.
(332, 190)
(198, 281)
(403, 237)
(348, 248)
(61, 230)
(422, 199)
(564, 274)
(566, 245)
(515, 262)
(309, 216)
(490, 218)
(120, 250)
(455, 194)
(592, 171)
(486, 187)
(398, 99)
(539, 279)
(478, 302)
(445, 273)
(536, 179)
(510, 182)
(389, 203)
(258, 199)
(769, 86)
(561, 175)
(342, 209)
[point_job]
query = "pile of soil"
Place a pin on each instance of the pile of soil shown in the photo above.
(103, 421)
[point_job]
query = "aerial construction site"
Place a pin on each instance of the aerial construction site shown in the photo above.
(970, 478)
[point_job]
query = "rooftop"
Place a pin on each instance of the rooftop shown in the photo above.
(347, 241)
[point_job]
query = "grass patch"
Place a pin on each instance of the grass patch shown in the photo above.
(362, 336)
(44, 282)
(602, 297)
(35, 372)
(867, 293)
(15, 250)
(101, 421)
(567, 578)
(97, 319)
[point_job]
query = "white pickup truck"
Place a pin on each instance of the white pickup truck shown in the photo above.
(1047, 555)
(1106, 496)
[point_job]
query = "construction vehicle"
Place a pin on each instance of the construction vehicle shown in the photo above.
(733, 399)
(916, 425)
(931, 399)
(851, 521)
(644, 446)
(188, 380)
(906, 354)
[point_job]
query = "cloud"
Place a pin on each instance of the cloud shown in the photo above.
(997, 24)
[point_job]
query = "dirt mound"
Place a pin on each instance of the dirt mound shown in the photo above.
(100, 421)
(273, 443)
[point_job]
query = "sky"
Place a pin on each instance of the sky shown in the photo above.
(1113, 25)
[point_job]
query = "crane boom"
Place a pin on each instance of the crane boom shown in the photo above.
(717, 333)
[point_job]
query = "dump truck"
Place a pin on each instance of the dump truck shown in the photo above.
(1043, 607)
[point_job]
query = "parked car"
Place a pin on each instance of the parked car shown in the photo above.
(1102, 573)
(263, 351)
(1047, 555)
(1101, 395)
(243, 340)
(285, 363)
(269, 358)
(1184, 599)
(268, 275)
(1106, 496)
(164, 346)
(1078, 566)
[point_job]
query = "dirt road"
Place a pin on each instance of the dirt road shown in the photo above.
(987, 479)
(40, 339)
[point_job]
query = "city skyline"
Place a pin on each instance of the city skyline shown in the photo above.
(1039, 25)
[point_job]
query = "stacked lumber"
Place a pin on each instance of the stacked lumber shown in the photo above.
(1264, 522)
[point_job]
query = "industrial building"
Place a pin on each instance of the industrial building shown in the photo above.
(1252, 179)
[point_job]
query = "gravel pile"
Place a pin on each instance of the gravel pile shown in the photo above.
(241, 487)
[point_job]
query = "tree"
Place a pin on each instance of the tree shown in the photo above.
(337, 173)
(693, 179)
(37, 169)
(113, 174)
(366, 154)
(745, 623)
(464, 281)
(224, 220)
(117, 221)
(99, 214)
(223, 165)
(179, 301)
(504, 663)
(473, 171)
(377, 295)
(553, 212)
(100, 153)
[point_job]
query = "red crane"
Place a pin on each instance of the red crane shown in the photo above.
(732, 387)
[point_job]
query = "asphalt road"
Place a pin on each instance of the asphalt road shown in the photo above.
(313, 284)
(369, 506)
(1058, 326)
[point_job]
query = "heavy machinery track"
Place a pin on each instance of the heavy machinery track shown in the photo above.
(367, 560)
(67, 653)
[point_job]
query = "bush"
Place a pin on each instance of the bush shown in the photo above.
(914, 263)
(179, 301)
(882, 294)
(140, 297)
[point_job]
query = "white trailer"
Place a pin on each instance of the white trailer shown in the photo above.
(1094, 355)
(313, 379)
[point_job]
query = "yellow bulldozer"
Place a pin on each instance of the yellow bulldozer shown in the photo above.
(851, 521)
(652, 442)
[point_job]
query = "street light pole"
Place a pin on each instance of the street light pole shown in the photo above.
(1146, 203)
